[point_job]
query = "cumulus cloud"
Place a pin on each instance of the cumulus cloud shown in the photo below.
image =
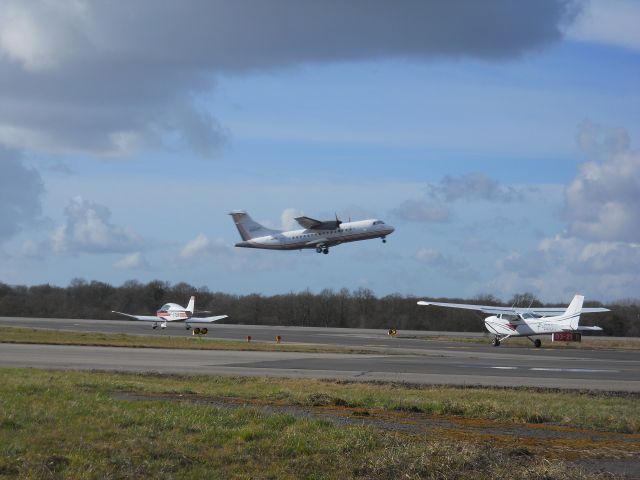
(135, 261)
(95, 77)
(422, 211)
(472, 186)
(603, 200)
(21, 188)
(288, 218)
(88, 229)
(599, 252)
(202, 247)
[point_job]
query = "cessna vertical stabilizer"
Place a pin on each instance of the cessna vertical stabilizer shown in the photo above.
(508, 322)
(172, 312)
(316, 234)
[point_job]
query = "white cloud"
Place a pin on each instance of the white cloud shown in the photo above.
(603, 200)
(613, 22)
(599, 253)
(135, 261)
(202, 247)
(88, 230)
(288, 218)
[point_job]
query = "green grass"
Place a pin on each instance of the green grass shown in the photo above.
(69, 425)
(58, 337)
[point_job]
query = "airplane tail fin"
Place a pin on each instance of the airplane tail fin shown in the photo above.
(192, 305)
(574, 310)
(248, 227)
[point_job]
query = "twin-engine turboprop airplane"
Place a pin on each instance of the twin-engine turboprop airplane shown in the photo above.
(508, 322)
(315, 233)
(172, 312)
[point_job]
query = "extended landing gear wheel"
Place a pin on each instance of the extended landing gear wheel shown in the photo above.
(537, 343)
(325, 250)
(204, 331)
(384, 240)
(196, 331)
(496, 342)
(318, 249)
(155, 326)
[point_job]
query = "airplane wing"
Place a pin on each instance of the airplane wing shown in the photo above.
(307, 222)
(142, 318)
(546, 312)
(206, 319)
(480, 308)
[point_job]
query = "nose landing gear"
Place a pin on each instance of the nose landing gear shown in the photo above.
(384, 239)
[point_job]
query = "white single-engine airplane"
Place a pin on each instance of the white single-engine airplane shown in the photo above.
(315, 233)
(508, 322)
(172, 312)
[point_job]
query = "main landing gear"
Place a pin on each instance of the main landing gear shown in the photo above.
(321, 249)
(536, 343)
(496, 341)
(384, 239)
(162, 325)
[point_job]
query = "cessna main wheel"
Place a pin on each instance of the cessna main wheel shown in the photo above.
(537, 343)
(496, 342)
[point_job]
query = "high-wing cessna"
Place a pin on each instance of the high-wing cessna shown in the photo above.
(506, 322)
(315, 233)
(172, 312)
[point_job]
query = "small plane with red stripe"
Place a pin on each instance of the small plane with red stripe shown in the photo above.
(506, 322)
(316, 234)
(172, 312)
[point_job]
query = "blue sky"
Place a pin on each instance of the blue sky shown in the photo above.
(505, 166)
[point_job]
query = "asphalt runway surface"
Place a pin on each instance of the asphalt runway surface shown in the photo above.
(406, 357)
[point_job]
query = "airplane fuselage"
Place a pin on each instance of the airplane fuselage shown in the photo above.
(312, 238)
(518, 326)
(173, 312)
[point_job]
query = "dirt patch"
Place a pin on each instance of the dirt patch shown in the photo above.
(592, 450)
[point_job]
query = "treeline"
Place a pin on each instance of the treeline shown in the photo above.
(330, 308)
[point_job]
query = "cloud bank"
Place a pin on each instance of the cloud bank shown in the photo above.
(103, 78)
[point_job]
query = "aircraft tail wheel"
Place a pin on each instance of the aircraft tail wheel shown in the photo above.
(392, 332)
(537, 343)
(204, 331)
(196, 331)
(496, 342)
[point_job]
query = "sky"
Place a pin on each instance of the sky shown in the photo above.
(499, 138)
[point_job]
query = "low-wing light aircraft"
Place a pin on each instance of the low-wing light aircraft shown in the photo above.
(315, 233)
(172, 312)
(506, 322)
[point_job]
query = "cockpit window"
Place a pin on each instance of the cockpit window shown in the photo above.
(165, 307)
(378, 222)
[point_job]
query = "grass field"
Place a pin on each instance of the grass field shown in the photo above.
(72, 425)
(58, 337)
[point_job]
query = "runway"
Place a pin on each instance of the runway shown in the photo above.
(413, 360)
